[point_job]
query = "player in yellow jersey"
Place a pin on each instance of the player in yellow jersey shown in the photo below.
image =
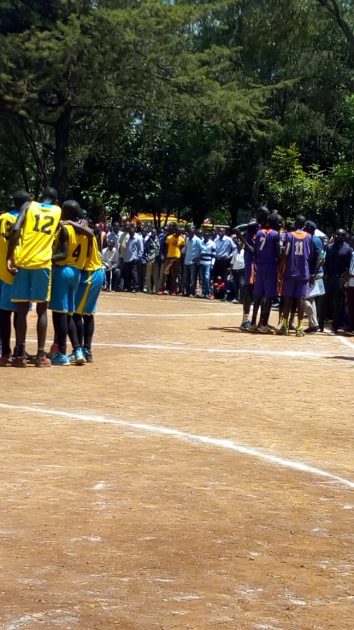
(7, 221)
(68, 262)
(91, 282)
(30, 256)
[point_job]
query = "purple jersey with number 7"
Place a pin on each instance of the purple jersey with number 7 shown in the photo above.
(298, 249)
(266, 247)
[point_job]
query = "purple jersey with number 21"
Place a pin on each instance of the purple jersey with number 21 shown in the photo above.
(298, 250)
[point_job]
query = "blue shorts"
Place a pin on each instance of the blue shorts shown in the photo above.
(31, 285)
(65, 282)
(266, 281)
(5, 297)
(88, 292)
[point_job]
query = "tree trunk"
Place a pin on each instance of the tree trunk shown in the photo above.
(61, 151)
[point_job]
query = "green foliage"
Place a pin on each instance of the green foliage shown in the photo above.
(192, 106)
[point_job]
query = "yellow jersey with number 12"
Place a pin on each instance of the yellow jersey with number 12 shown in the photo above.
(93, 260)
(7, 220)
(37, 236)
(77, 249)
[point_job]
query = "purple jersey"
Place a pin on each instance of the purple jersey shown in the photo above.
(266, 247)
(298, 250)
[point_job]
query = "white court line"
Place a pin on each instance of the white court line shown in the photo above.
(346, 342)
(189, 437)
(294, 354)
(171, 315)
(191, 349)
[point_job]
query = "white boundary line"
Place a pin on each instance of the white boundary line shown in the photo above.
(181, 347)
(346, 342)
(189, 437)
(190, 349)
(168, 315)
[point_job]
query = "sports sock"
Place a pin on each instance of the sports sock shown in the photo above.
(5, 328)
(60, 323)
(89, 329)
(79, 327)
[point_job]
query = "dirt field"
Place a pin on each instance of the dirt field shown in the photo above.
(193, 477)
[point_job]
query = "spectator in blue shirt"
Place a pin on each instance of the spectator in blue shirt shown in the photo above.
(192, 251)
(224, 249)
(134, 250)
(207, 260)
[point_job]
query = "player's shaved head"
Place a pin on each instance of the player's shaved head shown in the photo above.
(20, 197)
(274, 221)
(72, 210)
(300, 222)
(50, 194)
(262, 215)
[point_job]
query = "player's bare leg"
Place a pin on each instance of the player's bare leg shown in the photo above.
(284, 323)
(301, 312)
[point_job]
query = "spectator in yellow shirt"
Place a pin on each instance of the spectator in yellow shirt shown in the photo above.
(174, 243)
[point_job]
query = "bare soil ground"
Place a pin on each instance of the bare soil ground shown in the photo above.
(128, 502)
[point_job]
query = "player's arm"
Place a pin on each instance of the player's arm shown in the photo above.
(242, 238)
(79, 229)
(63, 245)
(15, 233)
(15, 236)
(277, 244)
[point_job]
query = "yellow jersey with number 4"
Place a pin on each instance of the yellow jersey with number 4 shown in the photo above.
(7, 220)
(37, 236)
(93, 260)
(77, 249)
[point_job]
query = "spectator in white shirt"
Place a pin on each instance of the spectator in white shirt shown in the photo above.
(238, 271)
(111, 264)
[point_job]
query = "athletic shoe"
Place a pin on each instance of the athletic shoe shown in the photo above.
(88, 355)
(159, 292)
(54, 349)
(266, 330)
(79, 356)
(72, 359)
(253, 328)
(19, 362)
(5, 361)
(311, 330)
(300, 332)
(60, 359)
(245, 327)
(283, 330)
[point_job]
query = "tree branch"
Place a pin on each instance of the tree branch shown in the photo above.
(334, 9)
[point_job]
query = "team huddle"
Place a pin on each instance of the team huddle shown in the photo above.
(279, 263)
(48, 257)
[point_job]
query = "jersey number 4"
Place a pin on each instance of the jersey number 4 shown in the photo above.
(76, 253)
(47, 223)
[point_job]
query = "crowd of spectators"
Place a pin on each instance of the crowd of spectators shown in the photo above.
(210, 264)
(171, 261)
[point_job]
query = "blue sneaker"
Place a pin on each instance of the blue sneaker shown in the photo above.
(88, 355)
(60, 359)
(79, 356)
